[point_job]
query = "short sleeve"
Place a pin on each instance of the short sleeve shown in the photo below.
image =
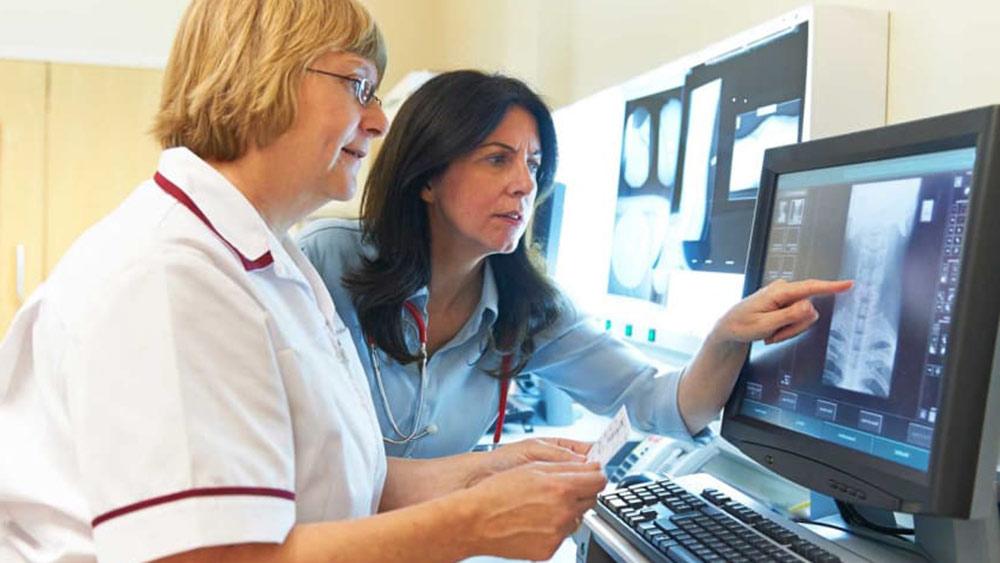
(179, 415)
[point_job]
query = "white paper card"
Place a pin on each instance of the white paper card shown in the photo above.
(612, 439)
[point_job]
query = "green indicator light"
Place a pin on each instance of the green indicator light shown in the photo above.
(628, 330)
(607, 324)
(651, 335)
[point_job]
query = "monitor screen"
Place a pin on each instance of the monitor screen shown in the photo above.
(867, 376)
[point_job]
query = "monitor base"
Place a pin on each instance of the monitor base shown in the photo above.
(951, 539)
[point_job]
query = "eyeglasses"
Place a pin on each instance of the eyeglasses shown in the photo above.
(364, 89)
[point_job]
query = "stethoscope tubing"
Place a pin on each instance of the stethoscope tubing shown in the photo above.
(415, 434)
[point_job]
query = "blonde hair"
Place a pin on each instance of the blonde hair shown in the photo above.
(234, 71)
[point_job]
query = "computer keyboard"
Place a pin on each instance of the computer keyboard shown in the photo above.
(667, 522)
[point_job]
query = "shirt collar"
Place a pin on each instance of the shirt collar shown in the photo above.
(218, 204)
(485, 313)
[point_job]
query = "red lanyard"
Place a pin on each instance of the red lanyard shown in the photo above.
(502, 407)
(504, 381)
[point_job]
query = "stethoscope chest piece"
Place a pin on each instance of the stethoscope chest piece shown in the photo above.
(401, 438)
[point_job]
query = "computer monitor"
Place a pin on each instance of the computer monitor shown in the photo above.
(890, 399)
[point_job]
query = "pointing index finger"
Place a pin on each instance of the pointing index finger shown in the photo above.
(789, 293)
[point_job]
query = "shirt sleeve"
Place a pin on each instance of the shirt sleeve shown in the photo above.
(334, 247)
(603, 373)
(179, 415)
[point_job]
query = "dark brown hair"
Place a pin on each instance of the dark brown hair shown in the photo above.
(445, 119)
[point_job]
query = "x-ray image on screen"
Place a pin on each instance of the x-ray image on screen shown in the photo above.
(756, 131)
(864, 327)
(636, 147)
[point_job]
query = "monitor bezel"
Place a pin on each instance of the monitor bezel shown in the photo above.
(946, 489)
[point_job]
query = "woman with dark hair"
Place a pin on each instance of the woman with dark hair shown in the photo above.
(446, 304)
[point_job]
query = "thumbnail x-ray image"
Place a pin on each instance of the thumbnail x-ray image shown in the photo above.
(669, 142)
(756, 131)
(635, 147)
(861, 351)
(782, 212)
(640, 230)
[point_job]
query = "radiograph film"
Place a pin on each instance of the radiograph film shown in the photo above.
(756, 131)
(635, 149)
(669, 141)
(864, 330)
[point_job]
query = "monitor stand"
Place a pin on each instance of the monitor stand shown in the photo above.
(942, 539)
(951, 539)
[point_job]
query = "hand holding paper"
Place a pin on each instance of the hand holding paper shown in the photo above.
(612, 439)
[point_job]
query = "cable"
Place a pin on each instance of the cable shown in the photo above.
(854, 517)
(896, 542)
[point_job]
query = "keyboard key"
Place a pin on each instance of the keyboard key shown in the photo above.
(716, 544)
(665, 524)
(728, 553)
(616, 504)
(679, 517)
(702, 552)
(663, 544)
(655, 535)
(776, 532)
(678, 553)
(741, 546)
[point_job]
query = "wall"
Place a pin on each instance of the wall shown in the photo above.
(941, 58)
(941, 54)
(22, 160)
(107, 32)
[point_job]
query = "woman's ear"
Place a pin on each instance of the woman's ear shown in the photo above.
(427, 193)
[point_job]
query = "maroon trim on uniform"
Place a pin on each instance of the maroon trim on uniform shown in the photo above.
(206, 492)
(264, 261)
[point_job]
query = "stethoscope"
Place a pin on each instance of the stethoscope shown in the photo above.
(402, 438)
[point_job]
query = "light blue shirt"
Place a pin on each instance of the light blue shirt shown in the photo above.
(575, 355)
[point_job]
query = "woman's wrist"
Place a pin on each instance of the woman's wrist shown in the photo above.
(722, 343)
(461, 519)
(477, 466)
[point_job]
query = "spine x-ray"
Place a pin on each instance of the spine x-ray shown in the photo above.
(864, 328)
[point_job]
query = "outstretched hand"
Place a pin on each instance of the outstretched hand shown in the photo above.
(553, 450)
(776, 312)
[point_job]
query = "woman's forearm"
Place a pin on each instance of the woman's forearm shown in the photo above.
(709, 380)
(410, 481)
(438, 530)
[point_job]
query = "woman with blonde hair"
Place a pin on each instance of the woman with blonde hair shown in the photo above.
(182, 387)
